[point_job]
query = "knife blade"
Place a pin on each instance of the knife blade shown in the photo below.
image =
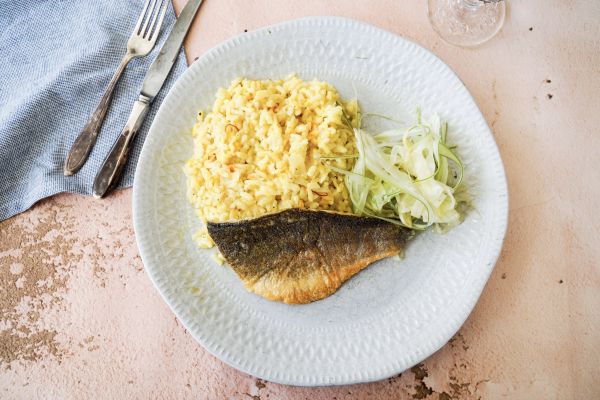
(114, 163)
(160, 68)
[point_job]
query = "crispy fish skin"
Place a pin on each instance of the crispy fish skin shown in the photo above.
(297, 256)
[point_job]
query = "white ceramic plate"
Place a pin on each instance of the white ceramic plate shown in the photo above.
(391, 315)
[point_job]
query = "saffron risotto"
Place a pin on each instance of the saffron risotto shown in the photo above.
(260, 150)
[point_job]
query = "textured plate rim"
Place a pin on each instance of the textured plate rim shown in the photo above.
(453, 323)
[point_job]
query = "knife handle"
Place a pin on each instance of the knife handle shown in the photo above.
(114, 163)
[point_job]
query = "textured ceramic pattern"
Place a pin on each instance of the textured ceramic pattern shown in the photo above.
(390, 316)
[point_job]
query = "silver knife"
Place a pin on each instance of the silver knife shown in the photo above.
(114, 163)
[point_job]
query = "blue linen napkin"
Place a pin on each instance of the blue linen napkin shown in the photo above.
(56, 59)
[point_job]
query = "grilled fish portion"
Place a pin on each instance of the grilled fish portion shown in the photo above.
(298, 256)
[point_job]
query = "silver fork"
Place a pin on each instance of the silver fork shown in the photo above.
(140, 43)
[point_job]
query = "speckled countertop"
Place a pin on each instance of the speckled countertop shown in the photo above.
(79, 318)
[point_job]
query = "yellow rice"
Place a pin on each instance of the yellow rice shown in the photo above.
(258, 150)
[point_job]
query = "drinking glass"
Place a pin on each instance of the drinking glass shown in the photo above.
(466, 22)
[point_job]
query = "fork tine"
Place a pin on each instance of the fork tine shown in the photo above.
(154, 33)
(141, 18)
(144, 31)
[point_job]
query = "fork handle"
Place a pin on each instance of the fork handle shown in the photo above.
(82, 146)
(114, 163)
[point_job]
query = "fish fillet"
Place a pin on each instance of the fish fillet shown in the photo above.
(297, 256)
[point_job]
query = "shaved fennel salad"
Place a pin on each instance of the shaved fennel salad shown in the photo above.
(407, 176)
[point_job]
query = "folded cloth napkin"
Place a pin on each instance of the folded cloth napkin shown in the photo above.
(56, 59)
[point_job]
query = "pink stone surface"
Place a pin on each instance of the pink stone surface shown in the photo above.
(80, 318)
